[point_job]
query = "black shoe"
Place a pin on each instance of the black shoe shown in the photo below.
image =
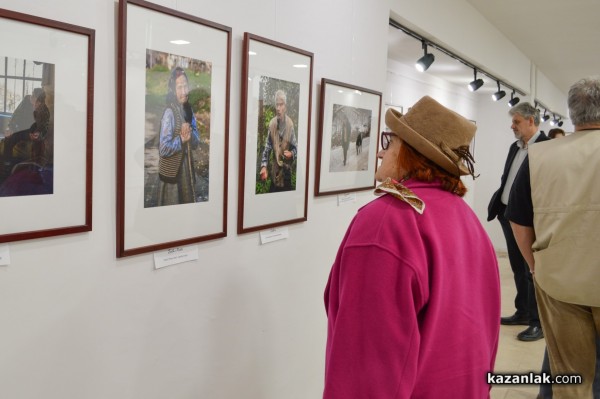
(514, 320)
(532, 333)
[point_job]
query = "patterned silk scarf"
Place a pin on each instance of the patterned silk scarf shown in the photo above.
(401, 192)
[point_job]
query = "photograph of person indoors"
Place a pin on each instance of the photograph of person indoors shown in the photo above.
(27, 167)
(413, 297)
(178, 136)
(22, 118)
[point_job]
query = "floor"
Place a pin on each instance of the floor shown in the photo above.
(514, 356)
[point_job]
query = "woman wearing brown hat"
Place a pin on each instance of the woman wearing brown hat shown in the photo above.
(413, 298)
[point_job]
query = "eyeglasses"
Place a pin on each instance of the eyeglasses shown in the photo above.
(386, 139)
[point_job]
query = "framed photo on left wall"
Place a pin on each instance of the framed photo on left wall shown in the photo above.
(172, 133)
(46, 122)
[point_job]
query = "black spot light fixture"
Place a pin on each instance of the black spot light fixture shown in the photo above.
(499, 94)
(476, 83)
(556, 120)
(545, 117)
(513, 100)
(428, 59)
(424, 62)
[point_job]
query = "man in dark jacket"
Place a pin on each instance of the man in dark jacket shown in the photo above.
(525, 123)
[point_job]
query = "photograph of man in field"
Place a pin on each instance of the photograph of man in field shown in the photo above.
(277, 141)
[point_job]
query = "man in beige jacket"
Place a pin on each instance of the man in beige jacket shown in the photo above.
(554, 211)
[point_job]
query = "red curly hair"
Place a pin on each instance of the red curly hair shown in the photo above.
(420, 168)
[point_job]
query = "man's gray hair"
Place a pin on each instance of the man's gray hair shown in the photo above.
(584, 101)
(281, 94)
(526, 110)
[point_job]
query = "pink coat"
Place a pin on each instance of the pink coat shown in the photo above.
(413, 302)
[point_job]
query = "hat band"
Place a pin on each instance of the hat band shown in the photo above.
(458, 155)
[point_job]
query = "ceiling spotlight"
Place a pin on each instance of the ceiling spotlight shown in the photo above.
(513, 100)
(476, 83)
(560, 123)
(499, 94)
(424, 62)
(555, 120)
(545, 117)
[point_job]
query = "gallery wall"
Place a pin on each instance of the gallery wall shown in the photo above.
(245, 320)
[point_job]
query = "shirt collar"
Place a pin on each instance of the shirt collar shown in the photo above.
(523, 146)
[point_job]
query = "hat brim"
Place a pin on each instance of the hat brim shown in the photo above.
(395, 121)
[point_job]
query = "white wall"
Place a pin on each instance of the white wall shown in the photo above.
(245, 321)
(552, 97)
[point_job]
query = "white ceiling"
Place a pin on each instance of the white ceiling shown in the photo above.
(561, 37)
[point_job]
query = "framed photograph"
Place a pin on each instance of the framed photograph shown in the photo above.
(348, 138)
(172, 134)
(46, 87)
(398, 108)
(472, 145)
(275, 134)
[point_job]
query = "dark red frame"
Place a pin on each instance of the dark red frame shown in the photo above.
(121, 112)
(325, 82)
(90, 33)
(244, 119)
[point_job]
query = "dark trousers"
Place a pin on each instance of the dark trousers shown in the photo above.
(525, 301)
(10, 142)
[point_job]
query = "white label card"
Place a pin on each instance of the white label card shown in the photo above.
(271, 235)
(4, 255)
(174, 256)
(347, 198)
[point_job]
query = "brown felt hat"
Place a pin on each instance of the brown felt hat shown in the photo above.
(437, 133)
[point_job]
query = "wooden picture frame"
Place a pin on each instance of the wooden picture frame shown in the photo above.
(47, 77)
(173, 128)
(275, 76)
(348, 138)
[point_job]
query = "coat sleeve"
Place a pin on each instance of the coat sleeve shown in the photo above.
(520, 204)
(169, 142)
(372, 300)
